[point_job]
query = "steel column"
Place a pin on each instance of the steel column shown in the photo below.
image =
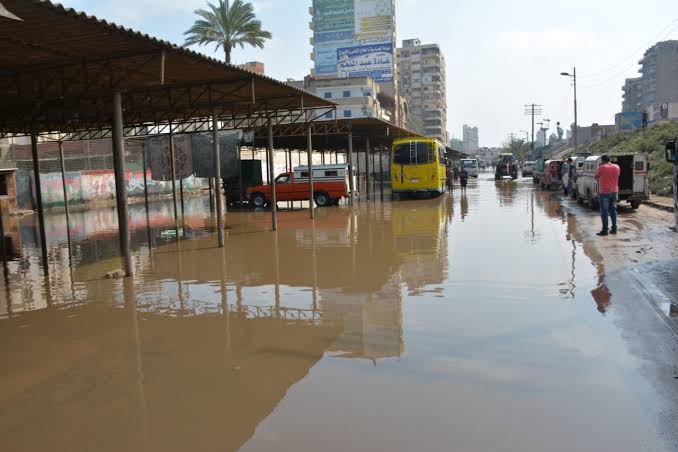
(120, 183)
(216, 155)
(173, 167)
(367, 168)
(38, 200)
(62, 164)
(274, 197)
(350, 167)
(381, 172)
(310, 173)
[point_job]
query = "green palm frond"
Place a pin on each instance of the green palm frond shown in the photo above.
(226, 26)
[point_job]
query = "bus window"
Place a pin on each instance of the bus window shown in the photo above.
(441, 155)
(414, 154)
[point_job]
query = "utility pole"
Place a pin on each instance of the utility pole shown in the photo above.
(573, 75)
(533, 110)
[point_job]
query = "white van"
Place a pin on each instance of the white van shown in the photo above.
(634, 185)
(470, 165)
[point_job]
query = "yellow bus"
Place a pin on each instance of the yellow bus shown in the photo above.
(418, 165)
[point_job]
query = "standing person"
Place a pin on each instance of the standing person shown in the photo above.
(463, 179)
(608, 190)
(565, 175)
(455, 171)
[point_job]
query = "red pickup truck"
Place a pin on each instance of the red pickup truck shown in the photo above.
(330, 184)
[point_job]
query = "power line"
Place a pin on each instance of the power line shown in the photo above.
(667, 30)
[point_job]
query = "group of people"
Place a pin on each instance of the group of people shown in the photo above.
(454, 173)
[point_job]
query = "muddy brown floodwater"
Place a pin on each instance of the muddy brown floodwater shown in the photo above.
(484, 321)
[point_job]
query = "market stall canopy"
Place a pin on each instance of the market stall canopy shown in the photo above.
(59, 69)
(331, 135)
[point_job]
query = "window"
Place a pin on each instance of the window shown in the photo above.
(368, 93)
(282, 179)
(414, 153)
(348, 114)
(640, 166)
(332, 173)
(328, 95)
(329, 115)
(347, 93)
(442, 156)
(3, 185)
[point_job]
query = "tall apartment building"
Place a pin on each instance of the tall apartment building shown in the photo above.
(659, 69)
(470, 141)
(421, 79)
(633, 95)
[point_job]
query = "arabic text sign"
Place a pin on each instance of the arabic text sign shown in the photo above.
(374, 61)
(374, 20)
(333, 15)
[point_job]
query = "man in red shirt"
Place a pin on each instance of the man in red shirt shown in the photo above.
(608, 190)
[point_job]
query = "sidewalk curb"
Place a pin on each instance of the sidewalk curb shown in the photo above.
(659, 206)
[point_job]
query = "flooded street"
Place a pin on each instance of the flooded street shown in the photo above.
(485, 321)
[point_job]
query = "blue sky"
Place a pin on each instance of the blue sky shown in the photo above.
(500, 54)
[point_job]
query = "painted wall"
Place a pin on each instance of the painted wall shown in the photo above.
(93, 186)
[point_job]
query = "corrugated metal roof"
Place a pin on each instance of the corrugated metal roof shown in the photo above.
(58, 68)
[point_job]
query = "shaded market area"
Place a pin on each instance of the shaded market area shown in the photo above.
(489, 318)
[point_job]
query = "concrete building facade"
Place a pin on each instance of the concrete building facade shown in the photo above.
(633, 95)
(659, 69)
(421, 79)
(470, 142)
(358, 97)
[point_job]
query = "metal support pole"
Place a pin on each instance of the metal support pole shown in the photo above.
(210, 184)
(675, 194)
(174, 182)
(217, 178)
(381, 172)
(241, 186)
(181, 199)
(374, 175)
(357, 170)
(310, 172)
(350, 167)
(576, 126)
(120, 183)
(38, 199)
(62, 163)
(274, 197)
(367, 168)
(145, 169)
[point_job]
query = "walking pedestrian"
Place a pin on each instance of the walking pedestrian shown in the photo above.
(463, 179)
(565, 175)
(608, 191)
(455, 171)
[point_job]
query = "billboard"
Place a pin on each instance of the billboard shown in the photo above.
(349, 25)
(629, 120)
(373, 60)
(333, 15)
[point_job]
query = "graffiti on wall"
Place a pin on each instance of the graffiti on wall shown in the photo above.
(95, 186)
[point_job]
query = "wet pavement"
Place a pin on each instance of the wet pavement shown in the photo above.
(493, 320)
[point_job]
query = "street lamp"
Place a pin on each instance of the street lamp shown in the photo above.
(574, 78)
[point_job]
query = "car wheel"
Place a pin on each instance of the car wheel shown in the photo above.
(592, 204)
(635, 204)
(258, 200)
(321, 199)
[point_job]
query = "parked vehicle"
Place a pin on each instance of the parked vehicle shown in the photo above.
(578, 164)
(418, 165)
(507, 166)
(471, 166)
(634, 185)
(330, 185)
(552, 176)
(538, 170)
(528, 169)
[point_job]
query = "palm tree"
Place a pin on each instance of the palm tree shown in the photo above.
(227, 25)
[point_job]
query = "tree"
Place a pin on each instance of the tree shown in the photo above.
(226, 26)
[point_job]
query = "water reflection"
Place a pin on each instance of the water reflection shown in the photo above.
(358, 319)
